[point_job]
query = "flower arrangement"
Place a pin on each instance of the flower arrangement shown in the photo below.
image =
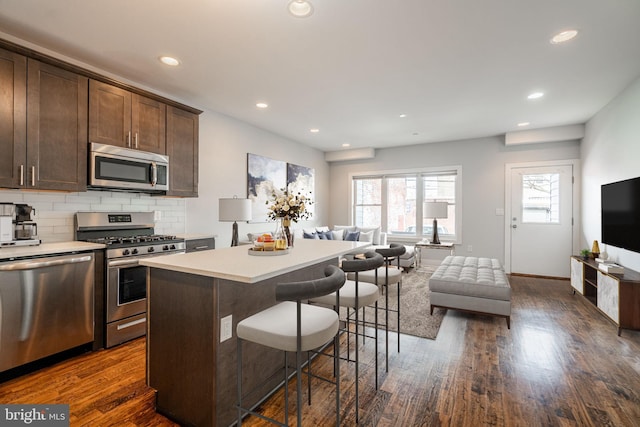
(289, 206)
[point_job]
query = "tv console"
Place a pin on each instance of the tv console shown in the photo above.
(617, 296)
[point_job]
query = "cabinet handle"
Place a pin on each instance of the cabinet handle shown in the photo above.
(135, 138)
(129, 139)
(33, 176)
(21, 175)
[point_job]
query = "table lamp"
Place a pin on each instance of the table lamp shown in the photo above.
(435, 210)
(233, 210)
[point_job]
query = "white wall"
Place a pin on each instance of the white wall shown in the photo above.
(610, 152)
(483, 188)
(224, 144)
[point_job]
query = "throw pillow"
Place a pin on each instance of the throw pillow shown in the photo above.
(351, 236)
(322, 229)
(366, 236)
(309, 235)
(376, 233)
(338, 234)
(328, 235)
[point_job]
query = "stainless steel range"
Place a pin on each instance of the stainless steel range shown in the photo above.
(128, 238)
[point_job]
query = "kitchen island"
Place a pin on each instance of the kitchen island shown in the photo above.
(195, 301)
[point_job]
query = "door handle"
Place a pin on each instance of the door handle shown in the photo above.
(514, 226)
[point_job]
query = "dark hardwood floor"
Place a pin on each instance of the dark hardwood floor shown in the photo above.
(560, 364)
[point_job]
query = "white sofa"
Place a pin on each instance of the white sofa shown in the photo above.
(374, 235)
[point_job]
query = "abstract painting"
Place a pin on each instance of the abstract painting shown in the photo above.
(264, 175)
(301, 179)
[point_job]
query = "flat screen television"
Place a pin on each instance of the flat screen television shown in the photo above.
(621, 214)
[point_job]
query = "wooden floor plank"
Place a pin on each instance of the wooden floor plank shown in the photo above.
(560, 364)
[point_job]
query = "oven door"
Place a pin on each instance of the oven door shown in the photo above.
(126, 289)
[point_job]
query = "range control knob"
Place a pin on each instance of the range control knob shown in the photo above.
(165, 248)
(173, 246)
(151, 249)
(126, 252)
(135, 251)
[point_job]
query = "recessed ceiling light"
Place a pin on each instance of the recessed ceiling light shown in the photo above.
(523, 124)
(402, 116)
(564, 36)
(168, 60)
(535, 95)
(345, 145)
(300, 8)
(314, 130)
(262, 105)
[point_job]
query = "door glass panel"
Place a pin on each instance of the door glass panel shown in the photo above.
(541, 198)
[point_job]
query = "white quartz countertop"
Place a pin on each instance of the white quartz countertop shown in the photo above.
(8, 252)
(236, 264)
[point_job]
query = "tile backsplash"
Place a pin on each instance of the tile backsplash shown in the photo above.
(54, 211)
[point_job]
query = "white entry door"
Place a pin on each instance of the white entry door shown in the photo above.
(541, 223)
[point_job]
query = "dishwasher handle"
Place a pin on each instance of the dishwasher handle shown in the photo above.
(29, 265)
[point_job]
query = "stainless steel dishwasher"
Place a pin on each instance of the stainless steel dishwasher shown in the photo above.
(46, 306)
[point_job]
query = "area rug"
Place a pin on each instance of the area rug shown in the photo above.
(414, 305)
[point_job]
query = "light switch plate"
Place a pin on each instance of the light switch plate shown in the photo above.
(226, 328)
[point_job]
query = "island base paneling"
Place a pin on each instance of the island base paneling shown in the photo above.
(194, 373)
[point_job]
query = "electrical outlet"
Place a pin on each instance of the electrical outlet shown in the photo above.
(469, 248)
(157, 215)
(226, 328)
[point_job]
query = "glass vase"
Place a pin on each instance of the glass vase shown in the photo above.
(279, 236)
(286, 222)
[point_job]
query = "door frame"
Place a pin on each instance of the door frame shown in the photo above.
(575, 209)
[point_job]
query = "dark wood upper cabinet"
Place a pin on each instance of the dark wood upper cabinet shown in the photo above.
(119, 117)
(182, 148)
(57, 114)
(43, 127)
(13, 118)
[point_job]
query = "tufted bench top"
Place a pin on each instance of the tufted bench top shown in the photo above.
(471, 276)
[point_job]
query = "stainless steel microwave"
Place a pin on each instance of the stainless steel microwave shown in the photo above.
(118, 168)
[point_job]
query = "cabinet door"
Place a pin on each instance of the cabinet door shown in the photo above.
(13, 116)
(182, 148)
(109, 114)
(609, 296)
(148, 124)
(57, 109)
(577, 275)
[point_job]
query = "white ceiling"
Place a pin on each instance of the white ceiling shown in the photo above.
(457, 68)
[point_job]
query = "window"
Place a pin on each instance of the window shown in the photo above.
(395, 202)
(540, 198)
(367, 195)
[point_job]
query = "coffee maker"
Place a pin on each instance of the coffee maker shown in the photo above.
(26, 229)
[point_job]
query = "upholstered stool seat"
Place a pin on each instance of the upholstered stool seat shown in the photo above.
(276, 326)
(379, 277)
(367, 295)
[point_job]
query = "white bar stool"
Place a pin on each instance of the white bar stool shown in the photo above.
(385, 276)
(356, 295)
(292, 326)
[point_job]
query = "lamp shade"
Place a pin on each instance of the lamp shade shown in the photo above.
(231, 210)
(435, 210)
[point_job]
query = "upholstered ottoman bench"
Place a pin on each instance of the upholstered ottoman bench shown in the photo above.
(477, 285)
